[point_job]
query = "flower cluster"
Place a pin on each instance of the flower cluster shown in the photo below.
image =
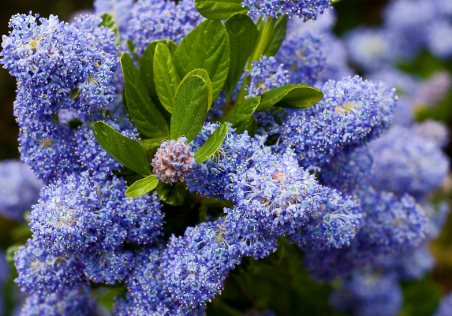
(266, 74)
(306, 9)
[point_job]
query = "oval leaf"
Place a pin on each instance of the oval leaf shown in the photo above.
(176, 194)
(270, 98)
(143, 186)
(144, 113)
(212, 144)
(219, 9)
(243, 35)
(190, 107)
(165, 76)
(124, 150)
(203, 74)
(302, 96)
(206, 47)
(147, 65)
(240, 115)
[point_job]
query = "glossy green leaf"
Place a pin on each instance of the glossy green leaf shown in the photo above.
(75, 93)
(147, 65)
(243, 36)
(151, 143)
(278, 35)
(124, 150)
(302, 96)
(240, 115)
(206, 47)
(219, 9)
(109, 22)
(190, 107)
(143, 186)
(203, 74)
(212, 144)
(143, 111)
(133, 50)
(290, 96)
(165, 76)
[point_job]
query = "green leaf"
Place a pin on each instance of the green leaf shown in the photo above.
(203, 74)
(10, 254)
(75, 93)
(144, 113)
(147, 65)
(206, 47)
(166, 77)
(302, 96)
(176, 194)
(124, 150)
(151, 143)
(279, 33)
(109, 22)
(133, 50)
(240, 115)
(219, 9)
(212, 144)
(243, 36)
(143, 186)
(290, 96)
(190, 107)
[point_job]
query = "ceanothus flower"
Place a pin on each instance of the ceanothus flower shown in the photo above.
(65, 303)
(173, 160)
(445, 306)
(19, 189)
(303, 55)
(432, 91)
(390, 225)
(403, 163)
(120, 10)
(306, 9)
(266, 74)
(368, 294)
(433, 131)
(156, 19)
(351, 113)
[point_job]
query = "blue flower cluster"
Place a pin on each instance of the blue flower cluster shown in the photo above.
(266, 74)
(306, 9)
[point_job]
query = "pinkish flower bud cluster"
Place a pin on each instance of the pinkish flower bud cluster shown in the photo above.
(172, 160)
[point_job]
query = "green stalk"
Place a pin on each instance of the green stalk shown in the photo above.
(262, 45)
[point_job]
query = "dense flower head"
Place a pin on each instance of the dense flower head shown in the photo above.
(434, 131)
(389, 226)
(351, 113)
(438, 41)
(303, 56)
(155, 19)
(59, 65)
(210, 177)
(433, 90)
(403, 163)
(266, 74)
(306, 9)
(65, 303)
(368, 294)
(19, 189)
(173, 160)
(120, 10)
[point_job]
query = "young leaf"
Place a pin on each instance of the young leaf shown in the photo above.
(240, 115)
(109, 22)
(124, 150)
(143, 186)
(290, 96)
(175, 195)
(206, 47)
(203, 74)
(147, 65)
(151, 143)
(279, 33)
(302, 96)
(190, 107)
(165, 76)
(212, 144)
(144, 113)
(243, 35)
(219, 9)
